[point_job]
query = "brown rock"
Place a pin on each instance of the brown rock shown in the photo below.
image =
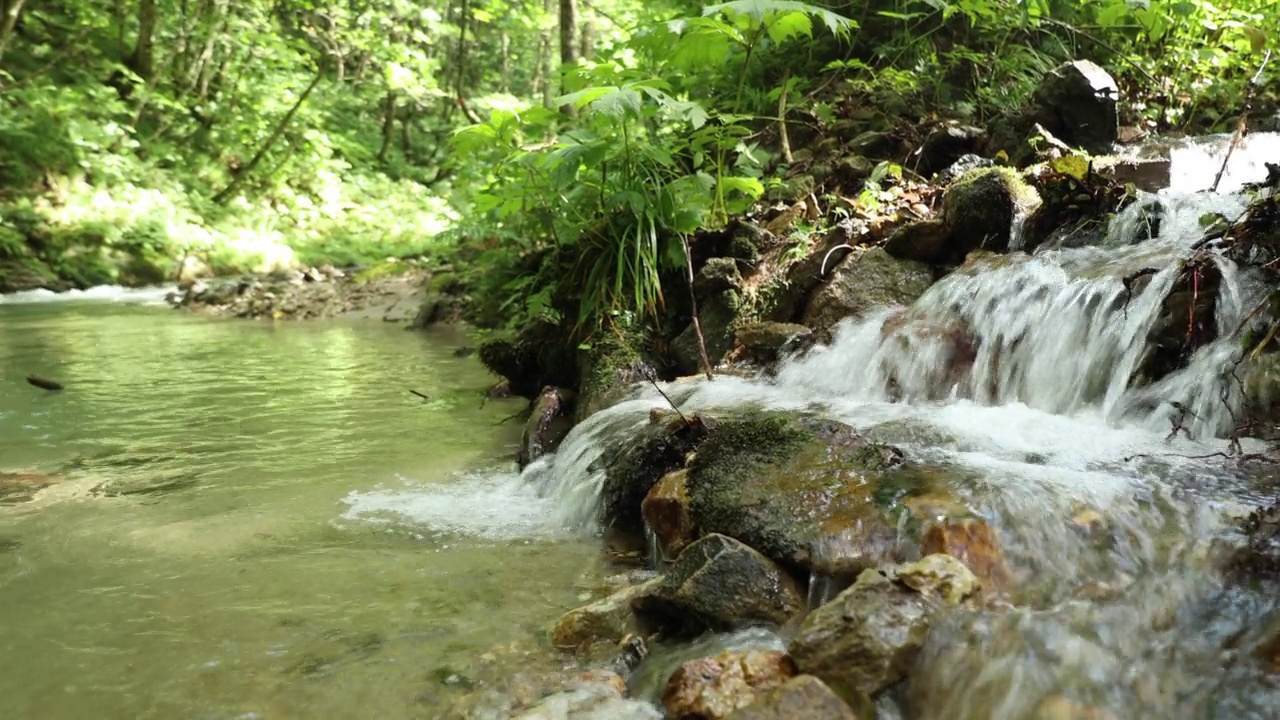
(1057, 707)
(713, 688)
(804, 696)
(974, 543)
(16, 487)
(548, 424)
(610, 619)
(666, 512)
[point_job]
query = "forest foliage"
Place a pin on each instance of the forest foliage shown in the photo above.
(565, 150)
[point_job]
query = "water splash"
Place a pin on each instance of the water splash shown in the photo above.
(112, 293)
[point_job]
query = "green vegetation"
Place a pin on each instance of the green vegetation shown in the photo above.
(560, 155)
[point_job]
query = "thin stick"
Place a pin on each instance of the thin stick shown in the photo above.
(693, 301)
(782, 120)
(415, 392)
(1244, 120)
(654, 383)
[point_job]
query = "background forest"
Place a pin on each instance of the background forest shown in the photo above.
(566, 147)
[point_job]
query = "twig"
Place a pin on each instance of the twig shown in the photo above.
(1244, 120)
(782, 119)
(415, 392)
(693, 303)
(654, 383)
(1103, 44)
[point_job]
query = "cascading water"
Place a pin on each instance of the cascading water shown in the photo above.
(1031, 374)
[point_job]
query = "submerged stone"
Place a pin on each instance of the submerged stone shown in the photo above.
(807, 697)
(713, 688)
(607, 620)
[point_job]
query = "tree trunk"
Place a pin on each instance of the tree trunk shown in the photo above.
(568, 39)
(143, 58)
(247, 170)
(588, 40)
(388, 125)
(11, 9)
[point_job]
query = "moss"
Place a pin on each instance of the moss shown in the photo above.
(609, 365)
(387, 268)
(779, 481)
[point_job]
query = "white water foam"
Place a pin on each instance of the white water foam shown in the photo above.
(101, 293)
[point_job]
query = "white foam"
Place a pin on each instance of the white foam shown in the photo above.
(107, 293)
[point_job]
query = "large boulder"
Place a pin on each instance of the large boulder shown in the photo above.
(804, 696)
(719, 583)
(550, 420)
(713, 688)
(864, 282)
(781, 481)
(980, 208)
(1077, 101)
(868, 637)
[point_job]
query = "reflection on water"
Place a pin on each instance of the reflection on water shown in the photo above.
(207, 553)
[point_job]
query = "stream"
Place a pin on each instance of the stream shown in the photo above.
(225, 537)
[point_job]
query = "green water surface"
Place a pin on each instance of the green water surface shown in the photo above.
(193, 560)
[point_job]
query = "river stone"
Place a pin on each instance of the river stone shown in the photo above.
(862, 283)
(804, 696)
(980, 208)
(642, 460)
(713, 688)
(666, 513)
(781, 481)
(548, 424)
(609, 619)
(1077, 101)
(925, 241)
(868, 637)
(590, 701)
(766, 342)
(973, 542)
(719, 583)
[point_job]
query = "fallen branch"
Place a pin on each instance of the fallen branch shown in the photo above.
(654, 383)
(693, 304)
(1242, 126)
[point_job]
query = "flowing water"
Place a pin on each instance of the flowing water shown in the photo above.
(256, 520)
(1111, 517)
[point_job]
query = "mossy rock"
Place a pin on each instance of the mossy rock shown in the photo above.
(610, 365)
(632, 469)
(863, 283)
(980, 208)
(781, 481)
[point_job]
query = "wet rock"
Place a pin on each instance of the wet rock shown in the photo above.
(946, 145)
(610, 619)
(980, 209)
(951, 346)
(861, 283)
(1259, 557)
(713, 688)
(1077, 102)
(804, 696)
(974, 543)
(1187, 322)
(608, 371)
(640, 462)
(1058, 707)
(548, 424)
(964, 164)
(868, 637)
(17, 487)
(666, 512)
(925, 241)
(766, 342)
(719, 583)
(781, 481)
(590, 701)
(500, 390)
(717, 315)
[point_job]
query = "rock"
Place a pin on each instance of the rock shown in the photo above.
(639, 463)
(870, 635)
(781, 481)
(666, 512)
(1057, 707)
(590, 701)
(803, 276)
(17, 487)
(713, 688)
(548, 424)
(941, 576)
(864, 282)
(806, 697)
(610, 619)
(766, 342)
(877, 146)
(717, 275)
(946, 145)
(980, 208)
(1150, 174)
(925, 241)
(962, 165)
(974, 543)
(718, 583)
(717, 315)
(608, 370)
(852, 170)
(1077, 102)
